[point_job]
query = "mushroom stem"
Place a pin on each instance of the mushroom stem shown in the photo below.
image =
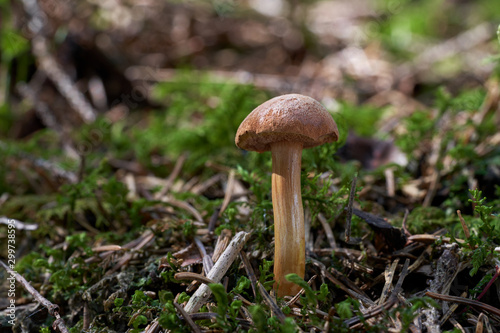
(289, 234)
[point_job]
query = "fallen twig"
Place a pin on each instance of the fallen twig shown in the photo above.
(144, 239)
(193, 276)
(48, 64)
(425, 238)
(188, 319)
(466, 40)
(173, 175)
(271, 303)
(490, 283)
(389, 275)
(465, 301)
(217, 272)
(344, 283)
(300, 293)
(19, 225)
(51, 307)
(250, 272)
(207, 260)
(51, 167)
(348, 218)
(328, 230)
(62, 81)
(229, 192)
(41, 108)
(376, 310)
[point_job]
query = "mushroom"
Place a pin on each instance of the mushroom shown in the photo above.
(285, 125)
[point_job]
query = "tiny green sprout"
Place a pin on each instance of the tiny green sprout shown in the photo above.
(118, 302)
(242, 284)
(189, 229)
(259, 318)
(221, 298)
(489, 229)
(165, 296)
(455, 330)
(234, 308)
(12, 44)
(266, 275)
(183, 297)
(288, 326)
(169, 319)
(344, 308)
(223, 306)
(139, 298)
(140, 320)
(323, 292)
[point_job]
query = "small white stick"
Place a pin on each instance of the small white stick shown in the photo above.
(217, 272)
(389, 181)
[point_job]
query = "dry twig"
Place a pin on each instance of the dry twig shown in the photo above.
(52, 308)
(348, 218)
(193, 276)
(217, 272)
(250, 272)
(188, 319)
(465, 301)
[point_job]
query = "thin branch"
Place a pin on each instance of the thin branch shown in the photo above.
(271, 303)
(54, 169)
(188, 319)
(229, 192)
(173, 175)
(250, 272)
(465, 301)
(193, 276)
(464, 225)
(217, 272)
(389, 275)
(51, 307)
(48, 64)
(348, 218)
(207, 260)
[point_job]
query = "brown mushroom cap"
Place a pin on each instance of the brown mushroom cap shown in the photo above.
(293, 117)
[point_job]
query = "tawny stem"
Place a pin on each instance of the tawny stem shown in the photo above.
(289, 248)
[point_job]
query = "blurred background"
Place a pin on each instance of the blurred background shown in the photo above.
(147, 81)
(371, 52)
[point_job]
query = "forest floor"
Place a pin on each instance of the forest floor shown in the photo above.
(122, 191)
